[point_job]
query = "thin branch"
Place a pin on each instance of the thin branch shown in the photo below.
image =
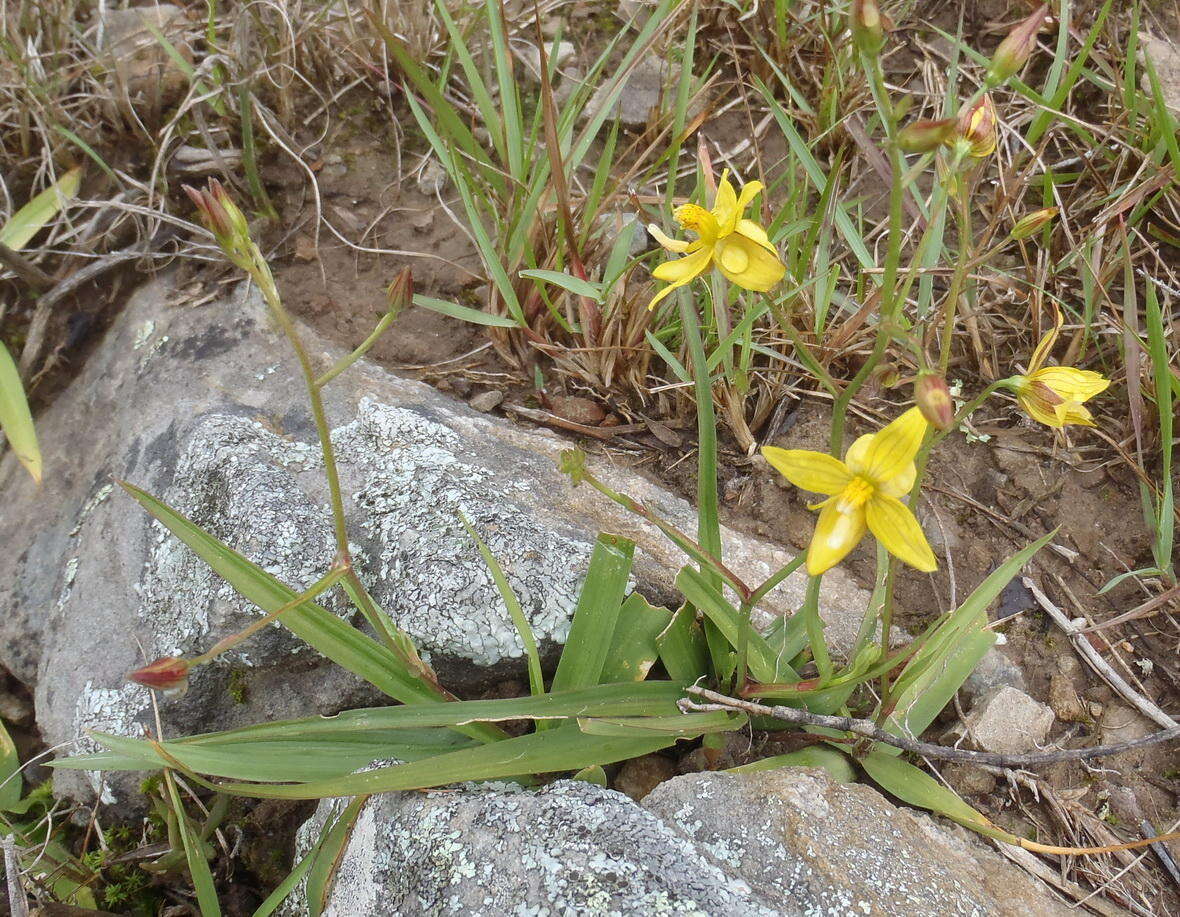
(871, 730)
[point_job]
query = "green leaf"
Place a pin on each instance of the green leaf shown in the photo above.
(575, 285)
(326, 857)
(464, 313)
(682, 647)
(553, 750)
(194, 853)
(593, 625)
(836, 763)
(764, 665)
(10, 778)
(16, 420)
(933, 675)
(336, 639)
(918, 788)
(32, 217)
(593, 774)
(684, 725)
(633, 648)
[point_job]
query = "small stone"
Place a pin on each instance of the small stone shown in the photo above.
(143, 69)
(486, 401)
(641, 96)
(969, 780)
(433, 178)
(422, 222)
(1008, 721)
(994, 670)
(1065, 701)
(193, 161)
(531, 58)
(640, 776)
(577, 409)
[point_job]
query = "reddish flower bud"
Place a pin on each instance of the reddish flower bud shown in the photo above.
(926, 136)
(977, 126)
(166, 674)
(1016, 48)
(400, 293)
(934, 400)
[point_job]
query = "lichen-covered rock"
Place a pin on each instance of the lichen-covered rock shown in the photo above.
(786, 842)
(570, 848)
(202, 406)
(805, 842)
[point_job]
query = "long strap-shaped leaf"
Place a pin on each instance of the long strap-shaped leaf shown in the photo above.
(336, 639)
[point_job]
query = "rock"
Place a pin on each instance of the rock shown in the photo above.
(614, 223)
(995, 670)
(1164, 54)
(1006, 720)
(969, 780)
(433, 178)
(1064, 700)
(810, 844)
(639, 776)
(642, 95)
(570, 848)
(145, 75)
(787, 842)
(559, 56)
(575, 408)
(202, 406)
(486, 401)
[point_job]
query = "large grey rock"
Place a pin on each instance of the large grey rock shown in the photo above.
(202, 406)
(786, 842)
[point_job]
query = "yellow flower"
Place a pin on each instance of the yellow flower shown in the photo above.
(863, 492)
(739, 247)
(1054, 395)
(977, 127)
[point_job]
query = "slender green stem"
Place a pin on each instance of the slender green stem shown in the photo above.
(815, 630)
(783, 317)
(958, 279)
(781, 574)
(888, 292)
(345, 362)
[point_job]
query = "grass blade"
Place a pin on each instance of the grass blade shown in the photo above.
(16, 420)
(32, 217)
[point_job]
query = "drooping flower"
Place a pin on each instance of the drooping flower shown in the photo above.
(933, 399)
(977, 127)
(1033, 222)
(862, 494)
(1055, 395)
(737, 246)
(1017, 47)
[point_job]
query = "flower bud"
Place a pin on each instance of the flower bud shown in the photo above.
(1029, 224)
(225, 220)
(400, 293)
(977, 126)
(926, 136)
(868, 29)
(934, 400)
(166, 674)
(1016, 48)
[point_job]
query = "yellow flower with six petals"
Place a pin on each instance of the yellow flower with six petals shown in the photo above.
(1054, 395)
(738, 246)
(862, 494)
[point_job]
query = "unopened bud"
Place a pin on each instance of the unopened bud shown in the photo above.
(166, 674)
(977, 126)
(1027, 225)
(887, 375)
(1016, 48)
(400, 293)
(224, 219)
(934, 400)
(868, 25)
(926, 136)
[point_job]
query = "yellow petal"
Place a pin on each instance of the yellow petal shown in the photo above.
(893, 448)
(895, 527)
(902, 484)
(725, 205)
(749, 192)
(1046, 343)
(1072, 412)
(1070, 383)
(1038, 409)
(755, 233)
(667, 242)
(680, 271)
(748, 264)
(836, 533)
(812, 471)
(854, 458)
